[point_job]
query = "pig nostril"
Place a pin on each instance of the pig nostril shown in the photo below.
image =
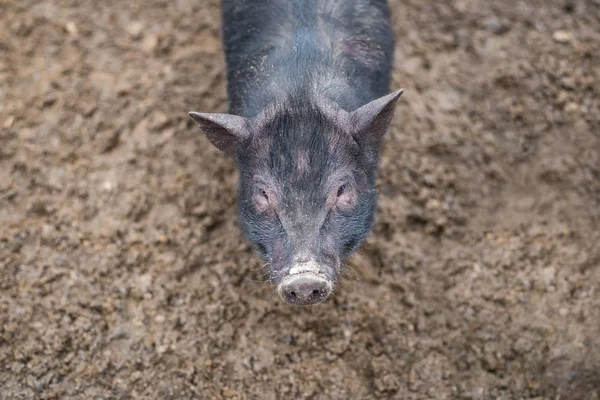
(316, 292)
(292, 296)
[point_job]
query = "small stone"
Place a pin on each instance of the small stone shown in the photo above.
(71, 28)
(108, 140)
(88, 109)
(441, 221)
(135, 376)
(124, 88)
(568, 82)
(547, 276)
(228, 393)
(135, 29)
(289, 340)
(571, 107)
(489, 362)
(149, 43)
(47, 232)
(9, 121)
(49, 100)
(162, 349)
(495, 26)
(107, 185)
(562, 37)
(144, 283)
(563, 311)
(433, 204)
(158, 120)
(430, 179)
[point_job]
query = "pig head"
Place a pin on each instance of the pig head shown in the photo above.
(307, 193)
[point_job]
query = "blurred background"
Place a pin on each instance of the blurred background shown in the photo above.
(123, 272)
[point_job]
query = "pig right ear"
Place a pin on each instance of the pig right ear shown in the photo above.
(371, 121)
(225, 131)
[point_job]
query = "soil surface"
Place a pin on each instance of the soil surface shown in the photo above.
(123, 272)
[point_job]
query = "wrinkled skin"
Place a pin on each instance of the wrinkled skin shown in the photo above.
(307, 90)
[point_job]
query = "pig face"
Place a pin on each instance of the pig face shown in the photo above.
(307, 186)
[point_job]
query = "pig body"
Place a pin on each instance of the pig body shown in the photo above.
(307, 83)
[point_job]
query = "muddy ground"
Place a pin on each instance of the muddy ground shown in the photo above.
(123, 272)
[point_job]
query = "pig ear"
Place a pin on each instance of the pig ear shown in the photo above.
(225, 131)
(371, 121)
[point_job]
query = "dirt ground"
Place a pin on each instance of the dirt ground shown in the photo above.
(123, 272)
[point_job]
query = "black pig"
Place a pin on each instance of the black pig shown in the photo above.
(308, 84)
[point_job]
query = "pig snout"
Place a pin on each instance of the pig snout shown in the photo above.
(305, 285)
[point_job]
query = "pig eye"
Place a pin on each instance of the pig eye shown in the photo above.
(261, 200)
(345, 196)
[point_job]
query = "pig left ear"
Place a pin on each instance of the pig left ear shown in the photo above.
(225, 131)
(371, 121)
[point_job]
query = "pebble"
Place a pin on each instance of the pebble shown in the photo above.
(289, 340)
(562, 37)
(568, 82)
(144, 283)
(158, 120)
(571, 108)
(546, 276)
(162, 349)
(71, 28)
(107, 185)
(489, 362)
(494, 25)
(228, 393)
(9, 121)
(135, 29)
(149, 43)
(108, 140)
(563, 311)
(433, 204)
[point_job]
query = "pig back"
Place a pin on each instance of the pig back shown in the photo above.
(341, 49)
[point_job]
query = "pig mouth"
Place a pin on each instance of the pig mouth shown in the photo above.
(305, 285)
